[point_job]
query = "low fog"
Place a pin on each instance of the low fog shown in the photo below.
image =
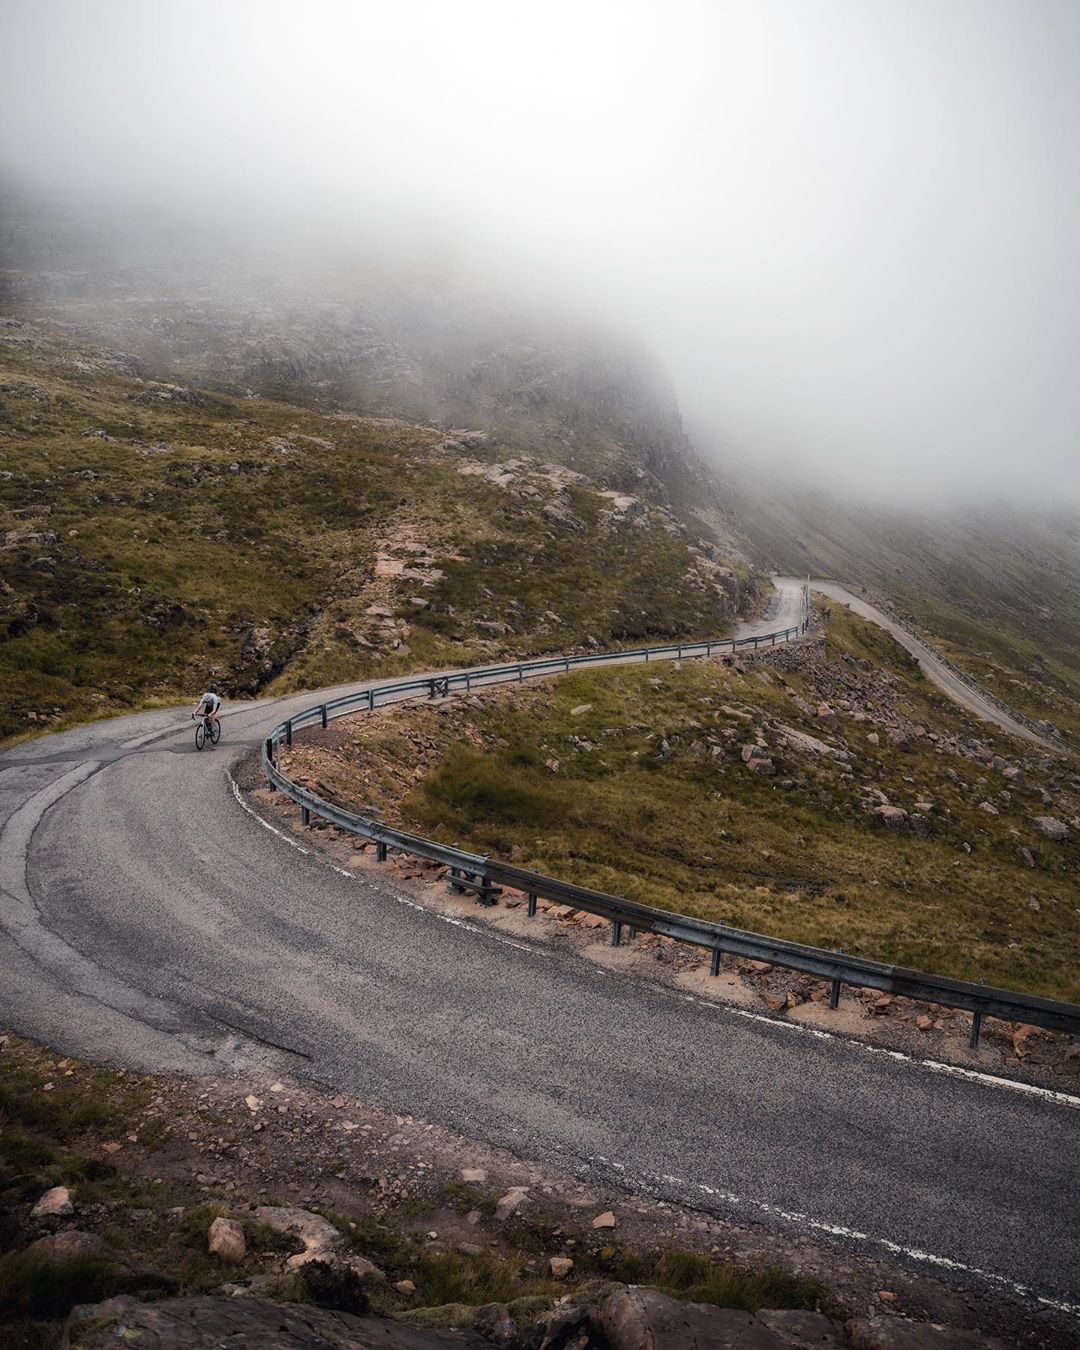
(846, 228)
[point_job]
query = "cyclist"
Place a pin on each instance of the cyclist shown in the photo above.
(207, 707)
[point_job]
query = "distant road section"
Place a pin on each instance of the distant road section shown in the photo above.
(933, 666)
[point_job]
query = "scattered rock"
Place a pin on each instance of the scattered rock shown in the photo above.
(560, 1266)
(511, 1202)
(605, 1220)
(474, 1175)
(226, 1240)
(1055, 830)
(989, 808)
(54, 1202)
(894, 817)
(581, 709)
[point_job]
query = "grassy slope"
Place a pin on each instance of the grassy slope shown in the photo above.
(232, 541)
(794, 855)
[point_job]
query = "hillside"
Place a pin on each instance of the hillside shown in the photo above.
(158, 538)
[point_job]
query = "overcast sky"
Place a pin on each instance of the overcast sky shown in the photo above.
(850, 228)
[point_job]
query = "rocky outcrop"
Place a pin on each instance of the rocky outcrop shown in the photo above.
(206, 1323)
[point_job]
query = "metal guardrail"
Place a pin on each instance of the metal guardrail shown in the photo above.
(485, 877)
(1045, 730)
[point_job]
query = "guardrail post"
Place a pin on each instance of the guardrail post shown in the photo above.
(468, 681)
(714, 964)
(305, 815)
(834, 988)
(976, 1027)
(380, 851)
(288, 732)
(532, 905)
(371, 700)
(323, 711)
(616, 933)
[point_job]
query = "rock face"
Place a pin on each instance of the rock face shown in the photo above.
(206, 1323)
(319, 1236)
(644, 1319)
(893, 1333)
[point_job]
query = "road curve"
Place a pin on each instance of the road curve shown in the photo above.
(146, 918)
(933, 665)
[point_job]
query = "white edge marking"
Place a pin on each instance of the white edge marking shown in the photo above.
(714, 1193)
(795, 1028)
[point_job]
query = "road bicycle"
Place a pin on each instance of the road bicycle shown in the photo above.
(206, 729)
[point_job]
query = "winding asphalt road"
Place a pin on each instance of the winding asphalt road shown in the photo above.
(146, 918)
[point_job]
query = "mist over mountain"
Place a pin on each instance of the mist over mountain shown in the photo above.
(846, 232)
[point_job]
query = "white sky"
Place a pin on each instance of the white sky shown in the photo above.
(850, 228)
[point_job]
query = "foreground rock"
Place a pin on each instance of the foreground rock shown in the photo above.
(893, 1333)
(206, 1323)
(645, 1319)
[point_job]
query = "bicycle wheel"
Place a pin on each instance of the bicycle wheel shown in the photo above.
(200, 736)
(215, 733)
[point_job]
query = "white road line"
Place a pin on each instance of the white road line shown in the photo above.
(645, 1181)
(726, 1009)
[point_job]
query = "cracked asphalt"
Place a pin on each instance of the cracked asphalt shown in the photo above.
(145, 918)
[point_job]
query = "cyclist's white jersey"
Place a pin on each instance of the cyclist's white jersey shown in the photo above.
(209, 703)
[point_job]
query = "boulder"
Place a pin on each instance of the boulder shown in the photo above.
(645, 1319)
(226, 1240)
(54, 1202)
(989, 808)
(560, 1266)
(1055, 830)
(207, 1322)
(894, 817)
